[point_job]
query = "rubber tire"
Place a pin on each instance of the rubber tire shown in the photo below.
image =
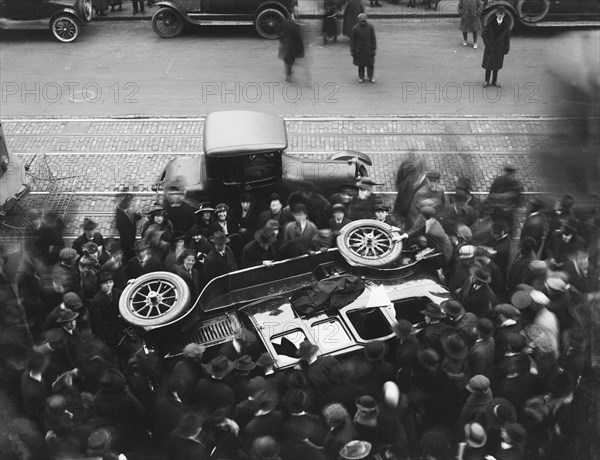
(174, 312)
(276, 13)
(175, 15)
(72, 22)
(509, 16)
(532, 20)
(356, 259)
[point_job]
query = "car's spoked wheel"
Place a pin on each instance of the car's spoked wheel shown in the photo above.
(167, 23)
(154, 299)
(65, 29)
(369, 242)
(270, 23)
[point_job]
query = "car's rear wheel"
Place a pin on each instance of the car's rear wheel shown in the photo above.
(154, 299)
(532, 11)
(508, 16)
(369, 243)
(167, 23)
(65, 28)
(270, 23)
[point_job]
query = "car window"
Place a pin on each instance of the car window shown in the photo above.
(369, 323)
(287, 344)
(410, 309)
(330, 335)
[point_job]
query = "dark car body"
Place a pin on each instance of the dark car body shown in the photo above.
(245, 151)
(547, 13)
(62, 17)
(14, 182)
(255, 302)
(268, 16)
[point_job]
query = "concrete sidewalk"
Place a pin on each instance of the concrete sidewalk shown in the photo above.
(313, 9)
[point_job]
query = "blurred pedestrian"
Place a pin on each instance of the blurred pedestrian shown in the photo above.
(363, 47)
(353, 9)
(126, 220)
(330, 22)
(138, 5)
(496, 37)
(470, 19)
(291, 46)
(89, 235)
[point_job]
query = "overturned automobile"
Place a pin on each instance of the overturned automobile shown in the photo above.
(334, 302)
(244, 151)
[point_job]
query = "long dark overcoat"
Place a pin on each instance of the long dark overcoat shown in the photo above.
(497, 43)
(363, 45)
(353, 9)
(470, 15)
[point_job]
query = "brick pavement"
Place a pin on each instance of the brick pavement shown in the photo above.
(97, 159)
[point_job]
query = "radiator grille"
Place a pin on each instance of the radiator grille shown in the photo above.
(212, 332)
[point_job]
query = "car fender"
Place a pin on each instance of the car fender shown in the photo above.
(187, 172)
(350, 155)
(70, 12)
(182, 11)
(272, 4)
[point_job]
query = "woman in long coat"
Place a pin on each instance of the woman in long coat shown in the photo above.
(470, 19)
(496, 37)
(363, 46)
(353, 9)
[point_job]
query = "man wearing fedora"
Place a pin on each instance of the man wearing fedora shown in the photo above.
(463, 322)
(476, 296)
(564, 242)
(70, 301)
(89, 236)
(483, 351)
(106, 321)
(213, 392)
(371, 370)
(302, 229)
(480, 395)
(431, 334)
(338, 219)
(260, 251)
(65, 272)
(535, 224)
(245, 213)
(190, 275)
(219, 260)
(363, 204)
(126, 222)
(320, 370)
(267, 420)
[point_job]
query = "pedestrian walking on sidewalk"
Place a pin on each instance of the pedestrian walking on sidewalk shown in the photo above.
(137, 8)
(496, 37)
(353, 9)
(363, 46)
(330, 22)
(291, 46)
(470, 19)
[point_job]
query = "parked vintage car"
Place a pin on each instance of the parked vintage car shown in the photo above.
(14, 182)
(63, 17)
(546, 13)
(245, 151)
(268, 16)
(262, 302)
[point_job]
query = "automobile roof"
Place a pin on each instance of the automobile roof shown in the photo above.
(237, 132)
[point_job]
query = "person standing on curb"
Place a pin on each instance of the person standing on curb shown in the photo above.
(363, 46)
(353, 9)
(496, 37)
(470, 19)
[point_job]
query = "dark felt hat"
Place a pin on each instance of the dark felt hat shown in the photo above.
(428, 358)
(483, 276)
(500, 411)
(338, 207)
(66, 316)
(265, 360)
(88, 224)
(267, 399)
(244, 363)
(306, 349)
(454, 345)
(112, 380)
(219, 238)
(375, 351)
(157, 211)
(72, 300)
(300, 207)
(265, 236)
(104, 276)
(202, 207)
(219, 366)
(433, 311)
(453, 308)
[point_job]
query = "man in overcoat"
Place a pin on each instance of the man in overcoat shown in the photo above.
(363, 46)
(496, 37)
(353, 9)
(470, 19)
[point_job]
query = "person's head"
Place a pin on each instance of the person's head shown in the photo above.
(347, 193)
(175, 195)
(67, 320)
(90, 250)
(221, 211)
(433, 180)
(526, 245)
(338, 211)
(246, 200)
(106, 282)
(564, 203)
(534, 204)
(194, 351)
(500, 12)
(499, 229)
(89, 228)
(381, 212)
(273, 226)
(362, 19)
(482, 256)
(275, 204)
(38, 363)
(484, 328)
(219, 240)
(508, 169)
(189, 259)
(300, 213)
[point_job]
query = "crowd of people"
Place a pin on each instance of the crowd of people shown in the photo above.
(501, 369)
